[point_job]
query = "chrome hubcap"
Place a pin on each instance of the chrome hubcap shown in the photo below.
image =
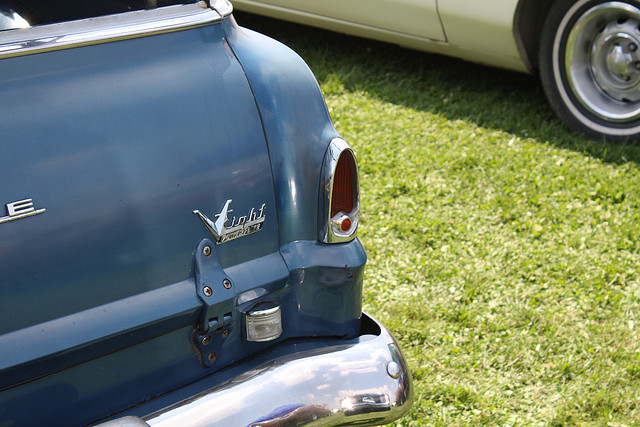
(602, 60)
(615, 61)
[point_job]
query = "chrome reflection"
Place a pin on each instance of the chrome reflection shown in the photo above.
(293, 415)
(365, 403)
(10, 19)
(337, 385)
(105, 29)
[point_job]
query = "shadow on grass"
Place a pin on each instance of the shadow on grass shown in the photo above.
(457, 90)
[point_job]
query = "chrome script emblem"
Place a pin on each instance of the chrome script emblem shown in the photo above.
(239, 227)
(20, 209)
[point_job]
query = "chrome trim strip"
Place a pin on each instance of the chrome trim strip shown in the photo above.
(20, 209)
(361, 382)
(105, 29)
(20, 216)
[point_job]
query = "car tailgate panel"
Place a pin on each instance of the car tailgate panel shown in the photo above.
(115, 145)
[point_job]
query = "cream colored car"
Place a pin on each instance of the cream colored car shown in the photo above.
(586, 51)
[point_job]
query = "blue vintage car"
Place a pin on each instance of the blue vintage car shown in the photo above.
(178, 245)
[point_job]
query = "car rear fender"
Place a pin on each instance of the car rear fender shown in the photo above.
(296, 123)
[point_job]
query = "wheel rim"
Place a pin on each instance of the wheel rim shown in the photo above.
(602, 61)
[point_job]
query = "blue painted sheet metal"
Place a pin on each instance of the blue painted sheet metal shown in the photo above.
(296, 122)
(319, 296)
(120, 142)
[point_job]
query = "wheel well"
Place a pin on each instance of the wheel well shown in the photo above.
(527, 29)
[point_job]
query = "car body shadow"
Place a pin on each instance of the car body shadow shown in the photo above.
(488, 97)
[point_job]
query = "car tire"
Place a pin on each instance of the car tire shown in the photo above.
(590, 66)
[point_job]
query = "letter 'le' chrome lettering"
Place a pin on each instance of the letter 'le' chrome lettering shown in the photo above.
(20, 209)
(239, 227)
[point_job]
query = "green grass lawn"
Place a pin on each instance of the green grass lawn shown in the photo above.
(503, 250)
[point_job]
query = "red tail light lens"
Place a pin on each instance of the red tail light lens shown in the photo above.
(342, 197)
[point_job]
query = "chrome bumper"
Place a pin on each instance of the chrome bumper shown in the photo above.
(363, 382)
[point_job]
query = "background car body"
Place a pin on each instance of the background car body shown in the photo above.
(478, 31)
(593, 85)
(115, 298)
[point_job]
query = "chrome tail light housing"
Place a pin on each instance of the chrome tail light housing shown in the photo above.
(339, 194)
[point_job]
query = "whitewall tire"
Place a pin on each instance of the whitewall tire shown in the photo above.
(590, 66)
